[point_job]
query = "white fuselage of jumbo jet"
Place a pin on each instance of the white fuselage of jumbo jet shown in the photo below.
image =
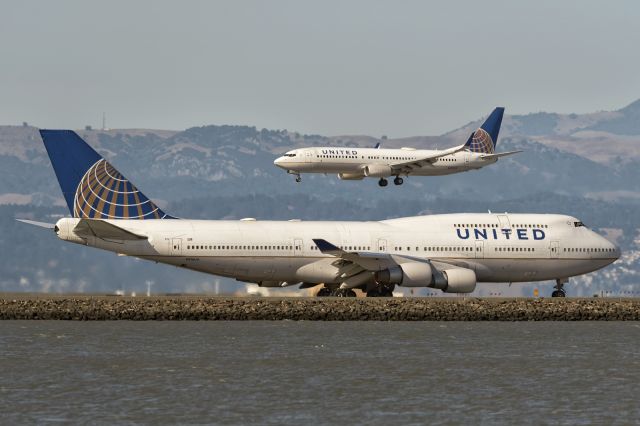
(496, 247)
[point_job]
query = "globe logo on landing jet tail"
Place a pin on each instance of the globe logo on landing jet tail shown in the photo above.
(481, 142)
(103, 193)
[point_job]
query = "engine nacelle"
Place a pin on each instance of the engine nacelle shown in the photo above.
(459, 280)
(350, 176)
(408, 275)
(418, 274)
(377, 170)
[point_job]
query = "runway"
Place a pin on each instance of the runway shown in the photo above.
(197, 308)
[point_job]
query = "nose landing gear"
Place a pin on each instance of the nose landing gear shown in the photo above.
(559, 288)
(296, 174)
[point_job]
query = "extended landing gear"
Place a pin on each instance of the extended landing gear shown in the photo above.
(344, 292)
(398, 180)
(338, 292)
(383, 182)
(297, 175)
(324, 292)
(381, 290)
(559, 288)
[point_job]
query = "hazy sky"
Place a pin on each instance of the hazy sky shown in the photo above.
(399, 68)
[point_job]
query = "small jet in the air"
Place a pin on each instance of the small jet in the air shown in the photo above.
(358, 163)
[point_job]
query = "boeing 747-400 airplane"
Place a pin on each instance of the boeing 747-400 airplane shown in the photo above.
(450, 252)
(358, 163)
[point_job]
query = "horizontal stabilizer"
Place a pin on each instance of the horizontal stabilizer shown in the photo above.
(104, 230)
(499, 154)
(36, 223)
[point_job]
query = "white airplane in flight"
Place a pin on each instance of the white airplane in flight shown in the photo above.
(358, 163)
(450, 252)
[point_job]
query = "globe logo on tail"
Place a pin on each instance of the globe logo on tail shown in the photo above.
(481, 142)
(103, 193)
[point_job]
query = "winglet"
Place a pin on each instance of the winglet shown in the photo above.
(325, 246)
(377, 146)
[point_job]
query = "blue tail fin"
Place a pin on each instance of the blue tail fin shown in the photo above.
(484, 139)
(91, 186)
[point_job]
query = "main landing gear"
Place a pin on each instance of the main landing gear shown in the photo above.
(338, 292)
(559, 288)
(381, 290)
(396, 181)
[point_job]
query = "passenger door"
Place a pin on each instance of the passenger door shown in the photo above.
(382, 246)
(479, 249)
(175, 246)
(297, 247)
(554, 249)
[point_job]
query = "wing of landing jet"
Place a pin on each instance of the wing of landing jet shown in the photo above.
(356, 268)
(410, 166)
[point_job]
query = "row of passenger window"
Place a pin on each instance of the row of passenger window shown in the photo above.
(588, 250)
(520, 249)
(211, 247)
(438, 248)
(369, 157)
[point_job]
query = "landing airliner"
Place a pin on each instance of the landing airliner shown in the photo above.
(358, 163)
(450, 252)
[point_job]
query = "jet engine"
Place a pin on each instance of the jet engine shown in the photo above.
(377, 170)
(418, 274)
(350, 176)
(408, 275)
(459, 280)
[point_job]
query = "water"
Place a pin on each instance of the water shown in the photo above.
(326, 373)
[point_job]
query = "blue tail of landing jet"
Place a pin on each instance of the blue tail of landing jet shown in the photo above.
(484, 139)
(91, 186)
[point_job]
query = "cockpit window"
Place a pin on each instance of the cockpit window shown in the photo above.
(578, 224)
(290, 154)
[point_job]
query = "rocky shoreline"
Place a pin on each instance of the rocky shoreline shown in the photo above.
(87, 308)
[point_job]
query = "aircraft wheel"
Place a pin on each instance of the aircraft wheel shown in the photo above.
(559, 288)
(298, 179)
(350, 293)
(324, 292)
(386, 290)
(398, 180)
(383, 182)
(373, 293)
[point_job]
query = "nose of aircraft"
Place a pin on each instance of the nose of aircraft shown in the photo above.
(278, 161)
(617, 252)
